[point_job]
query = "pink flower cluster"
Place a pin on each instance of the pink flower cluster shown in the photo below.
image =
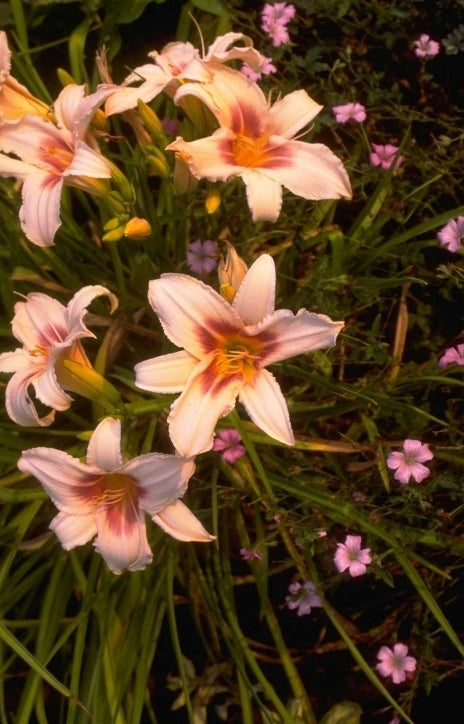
(267, 68)
(452, 356)
(349, 112)
(396, 663)
(302, 597)
(384, 156)
(228, 443)
(350, 556)
(274, 21)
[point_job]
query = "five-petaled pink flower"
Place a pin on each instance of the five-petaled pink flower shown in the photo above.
(202, 256)
(395, 662)
(408, 464)
(267, 68)
(227, 347)
(50, 155)
(49, 333)
(384, 156)
(256, 142)
(349, 112)
(425, 47)
(229, 443)
(108, 498)
(349, 555)
(274, 20)
(452, 356)
(452, 234)
(302, 597)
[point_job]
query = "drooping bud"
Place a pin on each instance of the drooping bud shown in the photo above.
(231, 270)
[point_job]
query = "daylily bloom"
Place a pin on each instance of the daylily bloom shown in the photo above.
(384, 156)
(178, 63)
(255, 141)
(425, 47)
(226, 350)
(49, 333)
(408, 464)
(15, 99)
(451, 235)
(353, 112)
(107, 497)
(302, 597)
(51, 155)
(395, 662)
(452, 356)
(349, 555)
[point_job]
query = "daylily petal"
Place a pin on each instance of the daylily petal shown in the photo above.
(194, 414)
(14, 167)
(73, 530)
(18, 403)
(167, 373)
(191, 312)
(13, 361)
(39, 322)
(264, 195)
(36, 141)
(104, 449)
(291, 113)
(67, 103)
(49, 391)
(154, 80)
(68, 482)
(122, 537)
(5, 57)
(309, 170)
(210, 157)
(265, 404)
(177, 520)
(255, 297)
(292, 335)
(77, 310)
(87, 162)
(161, 479)
(79, 113)
(40, 213)
(220, 49)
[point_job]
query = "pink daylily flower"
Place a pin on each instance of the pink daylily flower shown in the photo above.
(256, 142)
(178, 63)
(50, 155)
(226, 348)
(15, 99)
(108, 498)
(49, 333)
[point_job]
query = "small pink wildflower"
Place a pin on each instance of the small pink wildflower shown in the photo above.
(359, 497)
(274, 20)
(353, 112)
(425, 47)
(452, 356)
(384, 155)
(408, 464)
(267, 68)
(303, 597)
(228, 443)
(349, 555)
(452, 234)
(395, 662)
(249, 554)
(201, 256)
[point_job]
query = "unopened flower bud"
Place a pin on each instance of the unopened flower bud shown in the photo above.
(151, 121)
(231, 271)
(137, 228)
(213, 201)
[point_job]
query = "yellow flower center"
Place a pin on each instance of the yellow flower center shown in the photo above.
(249, 151)
(39, 351)
(114, 488)
(238, 357)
